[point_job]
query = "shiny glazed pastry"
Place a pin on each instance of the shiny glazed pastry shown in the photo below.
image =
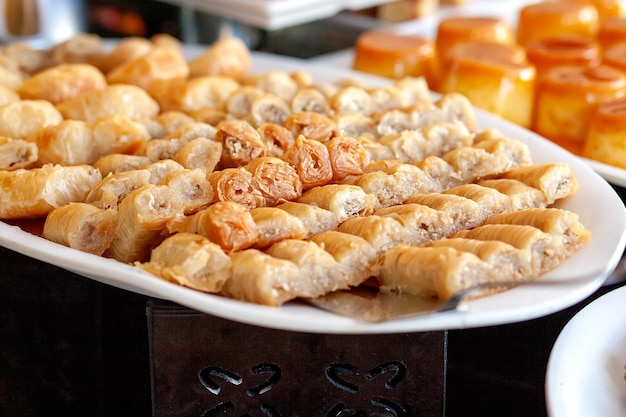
(565, 97)
(546, 54)
(552, 19)
(494, 77)
(605, 137)
(612, 30)
(396, 56)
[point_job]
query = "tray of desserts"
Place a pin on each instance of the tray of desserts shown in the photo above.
(536, 97)
(258, 210)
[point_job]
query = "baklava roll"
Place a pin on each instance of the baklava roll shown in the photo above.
(309, 99)
(342, 199)
(431, 272)
(189, 95)
(348, 157)
(441, 172)
(376, 151)
(275, 179)
(81, 226)
(241, 143)
(421, 223)
(117, 133)
(463, 212)
(315, 219)
(228, 224)
(311, 160)
(311, 125)
(277, 138)
(142, 219)
(20, 119)
(108, 193)
(490, 201)
(275, 225)
(239, 103)
(261, 278)
(522, 196)
(195, 190)
(69, 142)
(227, 56)
(33, 193)
(268, 108)
(354, 255)
(275, 82)
(356, 125)
(237, 185)
(190, 260)
(352, 99)
(200, 153)
(117, 162)
(381, 232)
(556, 180)
(17, 154)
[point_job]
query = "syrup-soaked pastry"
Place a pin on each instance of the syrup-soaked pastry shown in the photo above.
(386, 98)
(108, 193)
(196, 192)
(262, 279)
(239, 103)
(311, 160)
(420, 222)
(352, 99)
(277, 138)
(354, 255)
(81, 226)
(393, 122)
(355, 125)
(490, 201)
(348, 157)
(441, 172)
(275, 82)
(20, 119)
(127, 49)
(342, 199)
(462, 212)
(555, 180)
(396, 184)
(17, 154)
(83, 47)
(543, 251)
(430, 272)
(209, 115)
(546, 54)
(241, 143)
(190, 260)
(604, 141)
(69, 142)
(562, 224)
(268, 108)
(27, 58)
(33, 193)
(376, 151)
(7, 95)
(508, 153)
(382, 232)
(237, 185)
(275, 225)
(188, 95)
(167, 147)
(142, 218)
(9, 82)
(450, 107)
(200, 153)
(159, 169)
(474, 162)
(117, 133)
(189, 131)
(612, 31)
(522, 196)
(275, 179)
(126, 99)
(415, 90)
(230, 225)
(117, 162)
(315, 219)
(227, 56)
(62, 82)
(312, 125)
(309, 99)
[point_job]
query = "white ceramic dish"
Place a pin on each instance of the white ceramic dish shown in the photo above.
(586, 371)
(591, 265)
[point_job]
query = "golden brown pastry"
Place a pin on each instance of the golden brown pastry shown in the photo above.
(490, 201)
(460, 212)
(311, 160)
(522, 196)
(159, 169)
(126, 99)
(554, 180)
(604, 141)
(352, 99)
(126, 50)
(195, 190)
(237, 185)
(230, 225)
(200, 153)
(239, 103)
(142, 218)
(113, 163)
(311, 125)
(309, 99)
(342, 199)
(241, 143)
(274, 82)
(158, 64)
(69, 142)
(315, 219)
(190, 260)
(268, 108)
(355, 125)
(382, 232)
(194, 94)
(81, 226)
(348, 157)
(275, 179)
(168, 146)
(84, 47)
(62, 82)
(172, 120)
(421, 223)
(227, 56)
(277, 138)
(17, 154)
(275, 225)
(33, 193)
(117, 133)
(21, 118)
(108, 193)
(546, 54)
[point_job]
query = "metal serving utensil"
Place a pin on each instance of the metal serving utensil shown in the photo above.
(371, 305)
